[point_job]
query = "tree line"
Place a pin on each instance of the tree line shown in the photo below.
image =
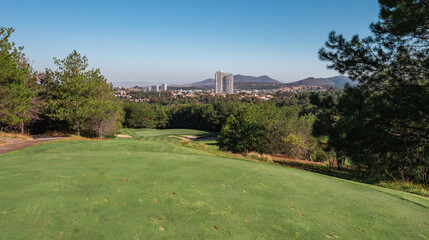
(263, 127)
(71, 98)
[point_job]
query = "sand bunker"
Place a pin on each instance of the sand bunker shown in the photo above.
(124, 136)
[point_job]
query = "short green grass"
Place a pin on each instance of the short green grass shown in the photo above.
(152, 187)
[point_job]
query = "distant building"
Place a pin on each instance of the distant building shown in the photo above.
(155, 88)
(224, 83)
(164, 87)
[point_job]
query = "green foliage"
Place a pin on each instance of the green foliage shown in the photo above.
(209, 117)
(145, 115)
(264, 128)
(82, 97)
(196, 116)
(382, 124)
(18, 87)
(405, 17)
(246, 130)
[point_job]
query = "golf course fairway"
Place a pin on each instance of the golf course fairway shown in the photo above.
(151, 186)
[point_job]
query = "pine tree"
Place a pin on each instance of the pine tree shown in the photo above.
(382, 124)
(18, 87)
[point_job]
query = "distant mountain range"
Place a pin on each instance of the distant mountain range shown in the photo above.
(251, 82)
(242, 81)
(210, 83)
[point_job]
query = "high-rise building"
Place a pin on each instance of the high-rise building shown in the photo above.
(224, 82)
(164, 87)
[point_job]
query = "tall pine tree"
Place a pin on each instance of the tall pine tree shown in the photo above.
(382, 124)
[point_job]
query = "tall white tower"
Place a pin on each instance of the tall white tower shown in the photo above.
(224, 82)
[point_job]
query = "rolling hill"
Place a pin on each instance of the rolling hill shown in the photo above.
(337, 82)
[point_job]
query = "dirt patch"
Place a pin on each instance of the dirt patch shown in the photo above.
(123, 136)
(17, 144)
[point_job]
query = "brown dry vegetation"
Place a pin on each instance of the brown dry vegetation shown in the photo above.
(15, 135)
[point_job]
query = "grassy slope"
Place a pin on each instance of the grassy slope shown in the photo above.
(77, 190)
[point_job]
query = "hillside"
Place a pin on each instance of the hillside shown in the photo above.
(337, 82)
(152, 186)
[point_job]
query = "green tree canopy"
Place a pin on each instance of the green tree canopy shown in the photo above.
(83, 97)
(382, 124)
(18, 87)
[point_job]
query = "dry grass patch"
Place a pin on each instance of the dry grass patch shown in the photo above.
(56, 134)
(260, 157)
(407, 187)
(15, 135)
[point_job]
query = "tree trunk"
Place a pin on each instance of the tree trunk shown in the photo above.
(22, 127)
(339, 164)
(78, 129)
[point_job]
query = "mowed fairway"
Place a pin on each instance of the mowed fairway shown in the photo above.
(151, 187)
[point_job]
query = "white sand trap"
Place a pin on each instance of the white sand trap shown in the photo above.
(190, 136)
(178, 137)
(124, 136)
(194, 138)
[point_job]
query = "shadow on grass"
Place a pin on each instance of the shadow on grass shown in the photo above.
(344, 173)
(207, 134)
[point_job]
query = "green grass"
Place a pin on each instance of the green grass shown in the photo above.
(152, 187)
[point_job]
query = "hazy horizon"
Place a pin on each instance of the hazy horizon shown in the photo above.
(148, 83)
(175, 42)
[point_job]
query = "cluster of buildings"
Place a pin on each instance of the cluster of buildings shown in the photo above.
(156, 88)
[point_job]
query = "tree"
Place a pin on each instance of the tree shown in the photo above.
(18, 88)
(382, 124)
(83, 97)
(246, 130)
(105, 108)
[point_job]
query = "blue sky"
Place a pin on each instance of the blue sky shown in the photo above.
(185, 41)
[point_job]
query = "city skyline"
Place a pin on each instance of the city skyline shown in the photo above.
(174, 42)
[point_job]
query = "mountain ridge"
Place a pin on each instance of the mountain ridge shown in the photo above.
(336, 81)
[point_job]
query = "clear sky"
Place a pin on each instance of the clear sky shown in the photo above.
(183, 41)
